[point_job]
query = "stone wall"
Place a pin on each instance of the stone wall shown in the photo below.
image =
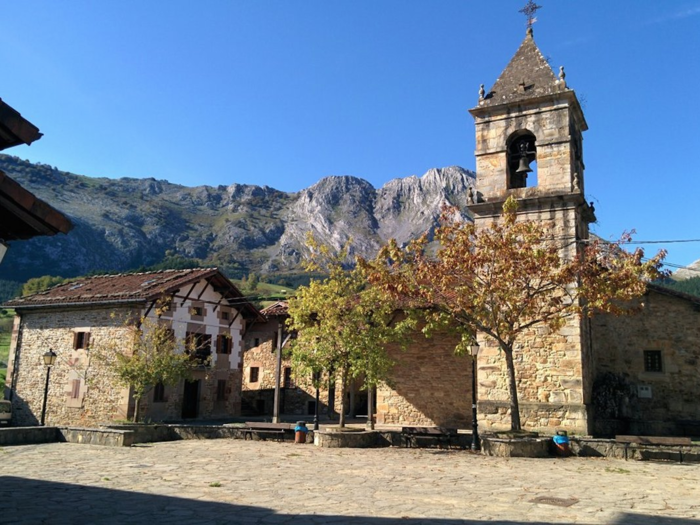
(429, 385)
(663, 402)
(555, 125)
(552, 371)
(99, 399)
(258, 396)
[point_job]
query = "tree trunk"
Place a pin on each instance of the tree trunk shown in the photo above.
(512, 388)
(343, 391)
(137, 402)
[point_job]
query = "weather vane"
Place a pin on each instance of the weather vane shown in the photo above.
(529, 11)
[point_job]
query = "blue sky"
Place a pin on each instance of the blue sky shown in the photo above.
(283, 93)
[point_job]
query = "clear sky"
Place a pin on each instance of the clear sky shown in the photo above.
(283, 93)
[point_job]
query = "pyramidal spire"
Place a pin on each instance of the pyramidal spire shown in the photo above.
(527, 75)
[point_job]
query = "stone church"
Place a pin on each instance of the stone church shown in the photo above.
(601, 376)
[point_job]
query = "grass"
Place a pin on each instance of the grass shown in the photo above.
(215, 484)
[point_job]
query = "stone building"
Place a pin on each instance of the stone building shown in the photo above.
(647, 364)
(428, 386)
(638, 373)
(530, 122)
(204, 308)
(647, 367)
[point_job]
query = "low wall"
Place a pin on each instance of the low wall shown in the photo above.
(12, 436)
(609, 448)
(516, 448)
(97, 436)
(350, 439)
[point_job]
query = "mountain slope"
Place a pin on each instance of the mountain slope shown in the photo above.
(126, 223)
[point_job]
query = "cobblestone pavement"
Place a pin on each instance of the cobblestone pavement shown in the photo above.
(233, 481)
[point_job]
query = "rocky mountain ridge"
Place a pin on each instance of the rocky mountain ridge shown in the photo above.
(128, 223)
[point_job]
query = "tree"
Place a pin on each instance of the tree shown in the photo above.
(505, 278)
(151, 355)
(39, 284)
(343, 325)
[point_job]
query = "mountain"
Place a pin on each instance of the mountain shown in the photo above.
(128, 223)
(689, 272)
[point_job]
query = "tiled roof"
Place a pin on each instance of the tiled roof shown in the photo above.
(274, 310)
(131, 288)
(23, 215)
(527, 75)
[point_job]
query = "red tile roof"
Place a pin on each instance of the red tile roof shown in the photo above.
(132, 288)
(275, 310)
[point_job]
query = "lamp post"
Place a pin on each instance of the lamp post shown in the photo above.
(475, 424)
(316, 410)
(49, 360)
(317, 379)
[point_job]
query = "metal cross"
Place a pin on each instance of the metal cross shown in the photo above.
(529, 11)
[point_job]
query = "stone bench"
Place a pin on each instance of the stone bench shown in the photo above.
(655, 452)
(262, 429)
(442, 436)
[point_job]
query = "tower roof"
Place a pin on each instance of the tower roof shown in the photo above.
(527, 75)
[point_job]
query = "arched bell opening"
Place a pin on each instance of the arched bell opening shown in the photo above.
(522, 160)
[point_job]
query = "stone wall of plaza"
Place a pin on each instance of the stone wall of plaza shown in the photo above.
(656, 354)
(82, 391)
(94, 399)
(429, 385)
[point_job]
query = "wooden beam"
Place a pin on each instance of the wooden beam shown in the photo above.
(217, 304)
(238, 312)
(188, 294)
(148, 311)
(204, 288)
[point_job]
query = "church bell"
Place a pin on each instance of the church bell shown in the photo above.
(524, 166)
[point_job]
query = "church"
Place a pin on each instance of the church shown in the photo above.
(600, 376)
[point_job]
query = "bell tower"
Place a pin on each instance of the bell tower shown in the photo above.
(529, 143)
(529, 129)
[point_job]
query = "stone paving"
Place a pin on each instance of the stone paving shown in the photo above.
(254, 482)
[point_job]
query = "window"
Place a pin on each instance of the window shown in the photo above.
(81, 340)
(169, 334)
(225, 315)
(75, 389)
(197, 311)
(223, 344)
(159, 393)
(522, 158)
(288, 381)
(221, 390)
(254, 374)
(198, 346)
(652, 361)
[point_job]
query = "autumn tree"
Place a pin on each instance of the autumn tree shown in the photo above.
(343, 325)
(505, 278)
(149, 355)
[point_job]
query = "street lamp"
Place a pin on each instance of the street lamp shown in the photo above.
(475, 424)
(49, 360)
(317, 379)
